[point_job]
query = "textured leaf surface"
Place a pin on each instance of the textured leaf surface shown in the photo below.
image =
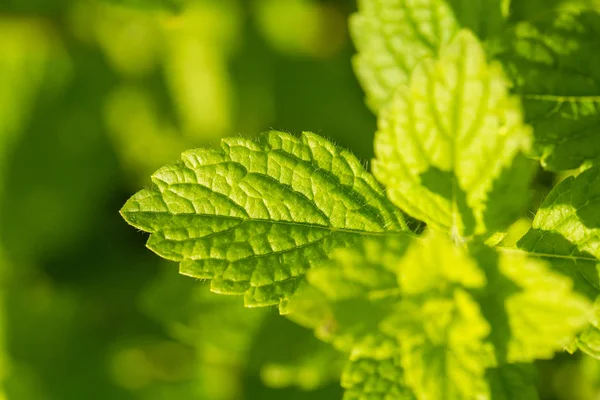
(445, 357)
(554, 63)
(550, 50)
(375, 379)
(566, 231)
(534, 311)
(254, 216)
(392, 37)
(439, 326)
(451, 316)
(452, 141)
(589, 342)
(346, 299)
(435, 262)
(544, 314)
(472, 311)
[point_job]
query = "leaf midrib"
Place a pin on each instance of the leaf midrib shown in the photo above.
(547, 255)
(269, 221)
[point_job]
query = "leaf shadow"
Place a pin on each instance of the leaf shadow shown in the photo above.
(445, 184)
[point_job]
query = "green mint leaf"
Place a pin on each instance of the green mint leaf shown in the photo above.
(375, 379)
(566, 231)
(497, 308)
(423, 270)
(452, 141)
(544, 313)
(548, 50)
(255, 216)
(438, 324)
(346, 298)
(451, 316)
(589, 342)
(392, 37)
(553, 63)
(534, 311)
(443, 346)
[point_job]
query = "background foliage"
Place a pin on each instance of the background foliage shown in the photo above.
(94, 95)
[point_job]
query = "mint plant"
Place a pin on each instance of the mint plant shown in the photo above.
(471, 98)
